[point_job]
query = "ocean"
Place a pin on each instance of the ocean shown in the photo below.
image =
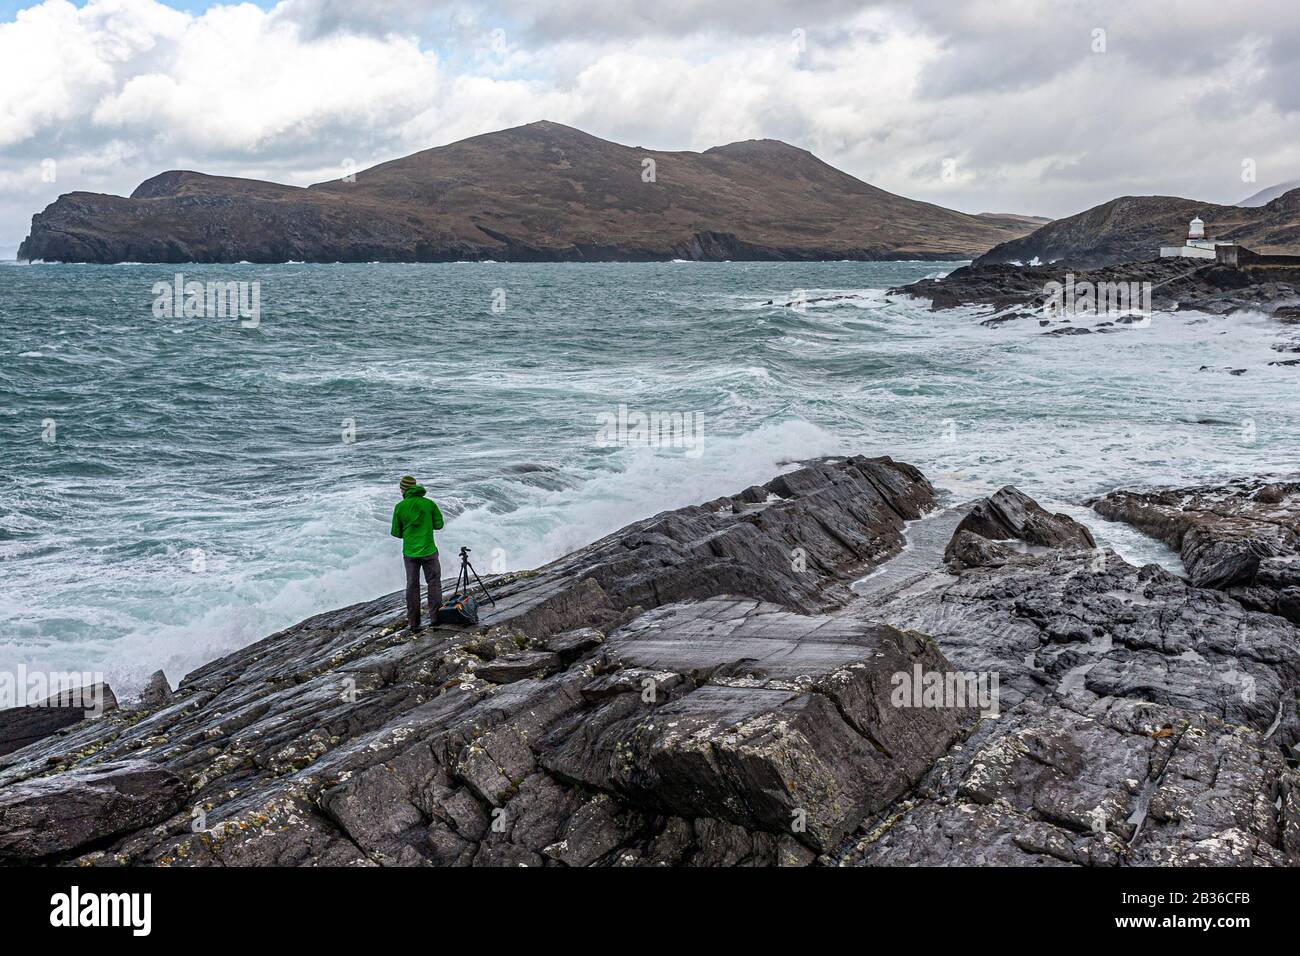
(172, 487)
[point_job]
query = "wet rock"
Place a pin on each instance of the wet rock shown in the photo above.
(344, 740)
(1175, 285)
(20, 726)
(1103, 784)
(816, 530)
(507, 668)
(574, 643)
(1144, 721)
(1243, 538)
(156, 693)
(1090, 624)
(624, 707)
(970, 550)
(51, 816)
(784, 723)
(1010, 514)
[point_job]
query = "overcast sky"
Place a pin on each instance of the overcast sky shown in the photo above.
(1008, 106)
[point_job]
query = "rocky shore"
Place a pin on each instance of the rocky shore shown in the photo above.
(1019, 291)
(1033, 296)
(742, 682)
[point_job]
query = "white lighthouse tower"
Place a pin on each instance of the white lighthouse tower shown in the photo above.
(1196, 246)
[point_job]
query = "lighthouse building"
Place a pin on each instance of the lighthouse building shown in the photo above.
(1197, 245)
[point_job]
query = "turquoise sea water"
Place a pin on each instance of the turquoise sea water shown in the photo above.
(205, 484)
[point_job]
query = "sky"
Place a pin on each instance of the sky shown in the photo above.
(1044, 107)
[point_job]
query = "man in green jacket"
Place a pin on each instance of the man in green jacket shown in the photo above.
(415, 518)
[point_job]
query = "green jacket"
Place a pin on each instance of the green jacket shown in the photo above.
(415, 518)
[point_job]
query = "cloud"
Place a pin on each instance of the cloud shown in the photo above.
(1013, 105)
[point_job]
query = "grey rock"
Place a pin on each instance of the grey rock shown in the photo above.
(970, 550)
(1243, 537)
(156, 693)
(1104, 784)
(816, 530)
(346, 741)
(781, 719)
(51, 816)
(1176, 285)
(572, 644)
(745, 708)
(1010, 514)
(1089, 624)
(506, 668)
(20, 726)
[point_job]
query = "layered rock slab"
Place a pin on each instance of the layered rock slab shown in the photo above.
(49, 816)
(797, 540)
(1145, 720)
(1010, 514)
(787, 722)
(616, 711)
(24, 725)
(1242, 537)
(1090, 623)
(1107, 783)
(345, 741)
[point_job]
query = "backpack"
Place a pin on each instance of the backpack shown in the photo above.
(461, 610)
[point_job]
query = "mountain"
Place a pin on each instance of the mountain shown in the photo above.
(1132, 228)
(541, 192)
(1266, 196)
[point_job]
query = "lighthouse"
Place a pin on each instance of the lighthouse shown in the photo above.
(1196, 246)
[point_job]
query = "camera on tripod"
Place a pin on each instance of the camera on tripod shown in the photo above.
(463, 608)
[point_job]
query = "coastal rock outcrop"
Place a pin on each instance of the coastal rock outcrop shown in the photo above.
(811, 742)
(1017, 291)
(52, 816)
(156, 692)
(732, 728)
(23, 725)
(1243, 538)
(1131, 228)
(1103, 783)
(714, 686)
(1011, 515)
(1144, 720)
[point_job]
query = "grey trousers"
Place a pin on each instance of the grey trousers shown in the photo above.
(432, 577)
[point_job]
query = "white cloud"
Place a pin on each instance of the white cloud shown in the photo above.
(1011, 91)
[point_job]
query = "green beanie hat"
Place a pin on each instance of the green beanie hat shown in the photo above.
(406, 484)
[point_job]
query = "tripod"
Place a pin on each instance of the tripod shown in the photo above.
(462, 579)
